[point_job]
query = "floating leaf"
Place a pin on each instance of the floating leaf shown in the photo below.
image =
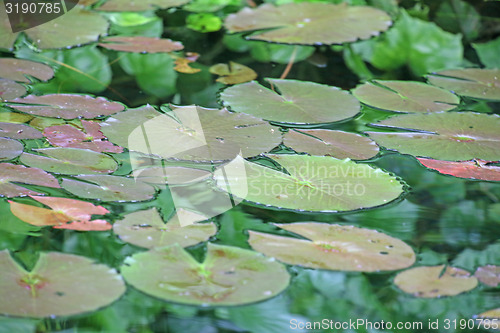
(233, 73)
(454, 136)
(19, 131)
(435, 281)
(476, 169)
(90, 138)
(309, 23)
(140, 44)
(470, 82)
(139, 5)
(335, 247)
(182, 66)
(191, 133)
(146, 228)
(313, 183)
(10, 90)
(171, 175)
(489, 275)
(13, 117)
(10, 149)
(494, 313)
(11, 174)
(108, 188)
(299, 102)
(338, 144)
(60, 284)
(67, 106)
(405, 96)
(24, 70)
(228, 276)
(70, 161)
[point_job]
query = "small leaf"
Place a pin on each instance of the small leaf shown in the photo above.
(10, 149)
(24, 70)
(233, 73)
(10, 90)
(489, 275)
(10, 174)
(182, 66)
(476, 169)
(140, 44)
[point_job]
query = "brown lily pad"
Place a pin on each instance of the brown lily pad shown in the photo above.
(10, 90)
(19, 131)
(140, 44)
(489, 275)
(11, 175)
(24, 70)
(10, 149)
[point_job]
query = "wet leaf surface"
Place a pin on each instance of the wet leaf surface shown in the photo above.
(405, 96)
(432, 282)
(233, 73)
(476, 169)
(67, 106)
(454, 136)
(298, 102)
(10, 149)
(24, 70)
(146, 228)
(470, 82)
(313, 183)
(140, 44)
(489, 275)
(59, 285)
(228, 276)
(334, 247)
(309, 23)
(19, 131)
(139, 5)
(338, 144)
(11, 175)
(10, 90)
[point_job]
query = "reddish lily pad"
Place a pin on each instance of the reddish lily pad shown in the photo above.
(11, 174)
(139, 5)
(24, 70)
(60, 284)
(228, 276)
(233, 73)
(299, 102)
(470, 82)
(10, 90)
(109, 188)
(338, 144)
(335, 247)
(70, 161)
(10, 149)
(489, 275)
(19, 131)
(140, 44)
(453, 136)
(67, 106)
(435, 281)
(90, 137)
(405, 96)
(146, 228)
(309, 23)
(476, 169)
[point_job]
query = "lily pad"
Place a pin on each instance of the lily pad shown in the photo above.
(435, 281)
(233, 73)
(335, 247)
(299, 102)
(489, 275)
(470, 82)
(146, 228)
(70, 161)
(24, 70)
(313, 183)
(10, 90)
(405, 96)
(140, 44)
(228, 276)
(171, 175)
(10, 149)
(90, 137)
(139, 5)
(19, 131)
(338, 144)
(475, 169)
(494, 313)
(60, 284)
(309, 23)
(191, 133)
(67, 106)
(11, 175)
(453, 136)
(108, 188)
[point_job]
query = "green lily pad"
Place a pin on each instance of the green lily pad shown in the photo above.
(313, 183)
(470, 82)
(338, 144)
(59, 285)
(476, 169)
(233, 73)
(67, 106)
(489, 275)
(405, 96)
(10, 90)
(228, 276)
(8, 116)
(139, 5)
(70, 161)
(146, 228)
(19, 131)
(108, 188)
(140, 44)
(171, 175)
(24, 70)
(10, 149)
(299, 102)
(11, 175)
(309, 23)
(191, 133)
(453, 136)
(435, 281)
(335, 247)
